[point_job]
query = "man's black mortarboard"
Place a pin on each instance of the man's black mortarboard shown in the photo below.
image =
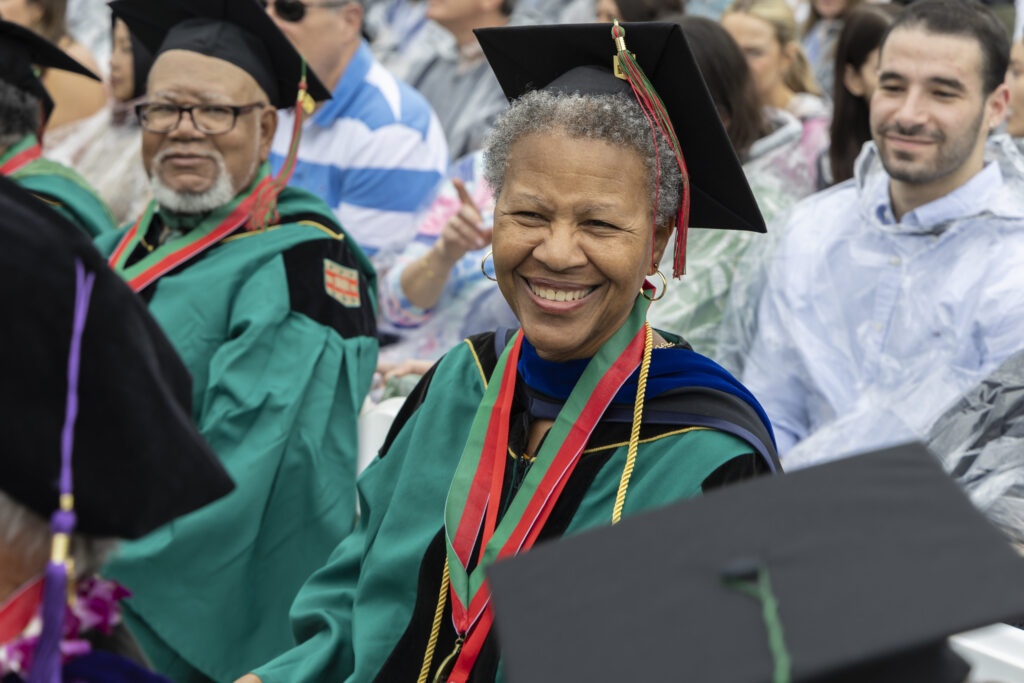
(578, 58)
(853, 571)
(237, 31)
(21, 50)
(138, 461)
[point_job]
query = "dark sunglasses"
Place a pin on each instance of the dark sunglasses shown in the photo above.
(295, 10)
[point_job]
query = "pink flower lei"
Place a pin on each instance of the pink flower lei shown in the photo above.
(96, 608)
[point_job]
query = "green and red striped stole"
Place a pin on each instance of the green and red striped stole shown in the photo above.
(20, 154)
(471, 510)
(221, 223)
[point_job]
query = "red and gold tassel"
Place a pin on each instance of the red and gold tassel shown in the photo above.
(627, 68)
(264, 212)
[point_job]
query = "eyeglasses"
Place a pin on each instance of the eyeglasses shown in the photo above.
(209, 119)
(295, 10)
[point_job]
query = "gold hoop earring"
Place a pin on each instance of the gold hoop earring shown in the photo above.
(483, 266)
(664, 288)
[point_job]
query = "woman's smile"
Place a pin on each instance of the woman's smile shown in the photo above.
(572, 240)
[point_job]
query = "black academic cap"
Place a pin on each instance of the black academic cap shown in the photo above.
(21, 50)
(237, 31)
(526, 58)
(137, 461)
(873, 561)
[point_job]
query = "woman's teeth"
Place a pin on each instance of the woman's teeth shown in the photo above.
(560, 294)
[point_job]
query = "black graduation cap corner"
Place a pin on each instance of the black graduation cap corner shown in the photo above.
(237, 31)
(872, 562)
(138, 461)
(22, 50)
(526, 58)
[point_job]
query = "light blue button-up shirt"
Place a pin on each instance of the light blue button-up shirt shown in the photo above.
(869, 327)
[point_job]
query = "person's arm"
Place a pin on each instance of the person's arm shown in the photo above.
(279, 405)
(774, 371)
(423, 280)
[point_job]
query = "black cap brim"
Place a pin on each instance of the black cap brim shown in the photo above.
(21, 49)
(138, 461)
(237, 31)
(873, 561)
(526, 58)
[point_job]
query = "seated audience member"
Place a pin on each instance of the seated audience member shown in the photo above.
(575, 166)
(767, 142)
(105, 147)
(459, 84)
(905, 282)
(979, 440)
(25, 106)
(856, 73)
(1015, 82)
(637, 10)
(765, 30)
(75, 96)
(375, 151)
(271, 307)
(97, 443)
(402, 38)
(820, 33)
(438, 293)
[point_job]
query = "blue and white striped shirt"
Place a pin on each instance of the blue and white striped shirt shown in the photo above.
(375, 153)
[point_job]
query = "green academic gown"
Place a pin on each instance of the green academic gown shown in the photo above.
(367, 615)
(277, 327)
(59, 186)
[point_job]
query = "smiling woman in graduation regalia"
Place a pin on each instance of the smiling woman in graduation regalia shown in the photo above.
(271, 307)
(585, 414)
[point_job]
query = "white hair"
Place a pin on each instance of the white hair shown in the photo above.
(220, 193)
(27, 535)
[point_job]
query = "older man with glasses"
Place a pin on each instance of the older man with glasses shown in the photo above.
(272, 308)
(375, 152)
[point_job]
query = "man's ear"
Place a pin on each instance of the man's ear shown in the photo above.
(268, 126)
(997, 106)
(352, 15)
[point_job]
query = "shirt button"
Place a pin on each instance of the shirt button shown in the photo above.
(895, 260)
(878, 327)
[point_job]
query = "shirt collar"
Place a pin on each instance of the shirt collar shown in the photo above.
(970, 199)
(349, 84)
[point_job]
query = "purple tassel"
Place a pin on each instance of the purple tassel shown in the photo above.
(46, 660)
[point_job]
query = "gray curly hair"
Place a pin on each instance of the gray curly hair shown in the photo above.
(613, 118)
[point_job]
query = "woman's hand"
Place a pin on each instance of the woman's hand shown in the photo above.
(424, 279)
(465, 231)
(249, 678)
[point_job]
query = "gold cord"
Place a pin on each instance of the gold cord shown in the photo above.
(435, 629)
(634, 435)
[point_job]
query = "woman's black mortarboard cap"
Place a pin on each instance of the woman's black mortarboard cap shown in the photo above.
(138, 461)
(872, 562)
(21, 50)
(578, 58)
(237, 31)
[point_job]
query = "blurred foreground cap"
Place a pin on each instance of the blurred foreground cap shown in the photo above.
(138, 462)
(21, 50)
(857, 570)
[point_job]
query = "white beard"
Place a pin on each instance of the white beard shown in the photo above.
(219, 194)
